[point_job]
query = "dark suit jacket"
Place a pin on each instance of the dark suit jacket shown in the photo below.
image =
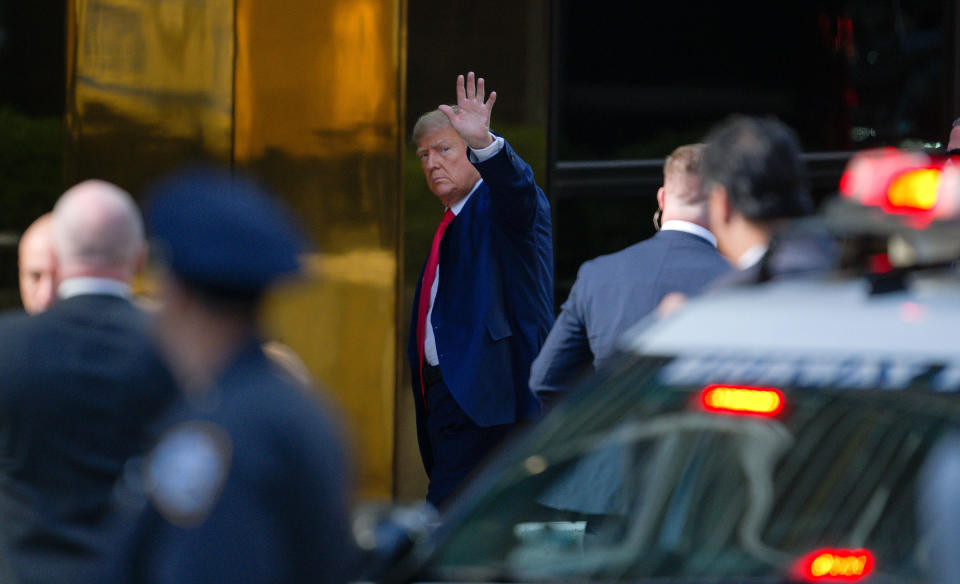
(801, 248)
(494, 301)
(79, 384)
(614, 292)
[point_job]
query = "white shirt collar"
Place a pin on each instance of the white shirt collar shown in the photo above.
(78, 286)
(688, 227)
(750, 257)
(458, 206)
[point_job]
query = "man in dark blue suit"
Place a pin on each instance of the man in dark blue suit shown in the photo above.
(614, 292)
(81, 384)
(484, 300)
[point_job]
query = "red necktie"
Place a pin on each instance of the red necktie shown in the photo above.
(429, 273)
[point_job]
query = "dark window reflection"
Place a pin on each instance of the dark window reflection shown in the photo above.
(844, 74)
(32, 66)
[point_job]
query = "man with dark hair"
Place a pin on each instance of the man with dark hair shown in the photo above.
(247, 483)
(614, 292)
(756, 181)
(484, 302)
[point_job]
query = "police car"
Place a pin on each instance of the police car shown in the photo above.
(763, 433)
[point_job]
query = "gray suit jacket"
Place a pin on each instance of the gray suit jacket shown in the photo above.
(614, 292)
(611, 294)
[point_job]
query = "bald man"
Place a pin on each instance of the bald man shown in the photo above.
(35, 263)
(81, 382)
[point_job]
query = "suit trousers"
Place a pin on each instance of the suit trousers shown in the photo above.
(457, 443)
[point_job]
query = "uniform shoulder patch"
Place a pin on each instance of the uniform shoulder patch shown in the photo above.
(187, 470)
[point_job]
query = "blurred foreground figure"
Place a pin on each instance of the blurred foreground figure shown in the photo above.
(246, 484)
(613, 292)
(35, 265)
(81, 381)
(756, 180)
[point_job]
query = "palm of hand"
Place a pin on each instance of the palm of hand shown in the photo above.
(472, 117)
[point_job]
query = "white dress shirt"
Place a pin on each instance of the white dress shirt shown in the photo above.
(750, 257)
(688, 227)
(88, 285)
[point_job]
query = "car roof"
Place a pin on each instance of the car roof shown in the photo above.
(819, 318)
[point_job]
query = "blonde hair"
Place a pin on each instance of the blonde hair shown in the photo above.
(429, 123)
(682, 168)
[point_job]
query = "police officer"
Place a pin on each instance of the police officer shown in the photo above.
(246, 484)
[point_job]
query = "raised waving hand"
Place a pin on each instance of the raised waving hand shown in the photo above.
(471, 119)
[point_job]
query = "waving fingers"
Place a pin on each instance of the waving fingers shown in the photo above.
(471, 86)
(490, 102)
(461, 93)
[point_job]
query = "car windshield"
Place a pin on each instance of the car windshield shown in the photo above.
(632, 478)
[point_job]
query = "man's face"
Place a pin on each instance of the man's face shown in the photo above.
(36, 273)
(443, 158)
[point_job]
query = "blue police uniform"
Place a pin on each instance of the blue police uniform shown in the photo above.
(247, 482)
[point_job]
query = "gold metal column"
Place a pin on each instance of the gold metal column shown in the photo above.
(318, 103)
(149, 86)
(305, 95)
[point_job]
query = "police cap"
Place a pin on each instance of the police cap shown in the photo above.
(221, 233)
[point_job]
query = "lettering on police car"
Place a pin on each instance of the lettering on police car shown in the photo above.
(853, 373)
(187, 470)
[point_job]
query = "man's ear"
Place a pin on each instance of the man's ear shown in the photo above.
(660, 192)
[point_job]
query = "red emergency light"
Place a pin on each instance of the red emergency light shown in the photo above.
(907, 183)
(742, 399)
(913, 191)
(835, 565)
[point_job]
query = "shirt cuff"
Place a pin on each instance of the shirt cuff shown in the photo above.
(484, 154)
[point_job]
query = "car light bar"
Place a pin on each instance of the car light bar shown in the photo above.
(911, 184)
(740, 399)
(836, 565)
(914, 190)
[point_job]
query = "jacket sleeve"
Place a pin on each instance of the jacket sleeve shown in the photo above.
(513, 191)
(566, 352)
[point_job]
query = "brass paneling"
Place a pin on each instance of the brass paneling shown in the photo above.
(317, 115)
(305, 95)
(150, 84)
